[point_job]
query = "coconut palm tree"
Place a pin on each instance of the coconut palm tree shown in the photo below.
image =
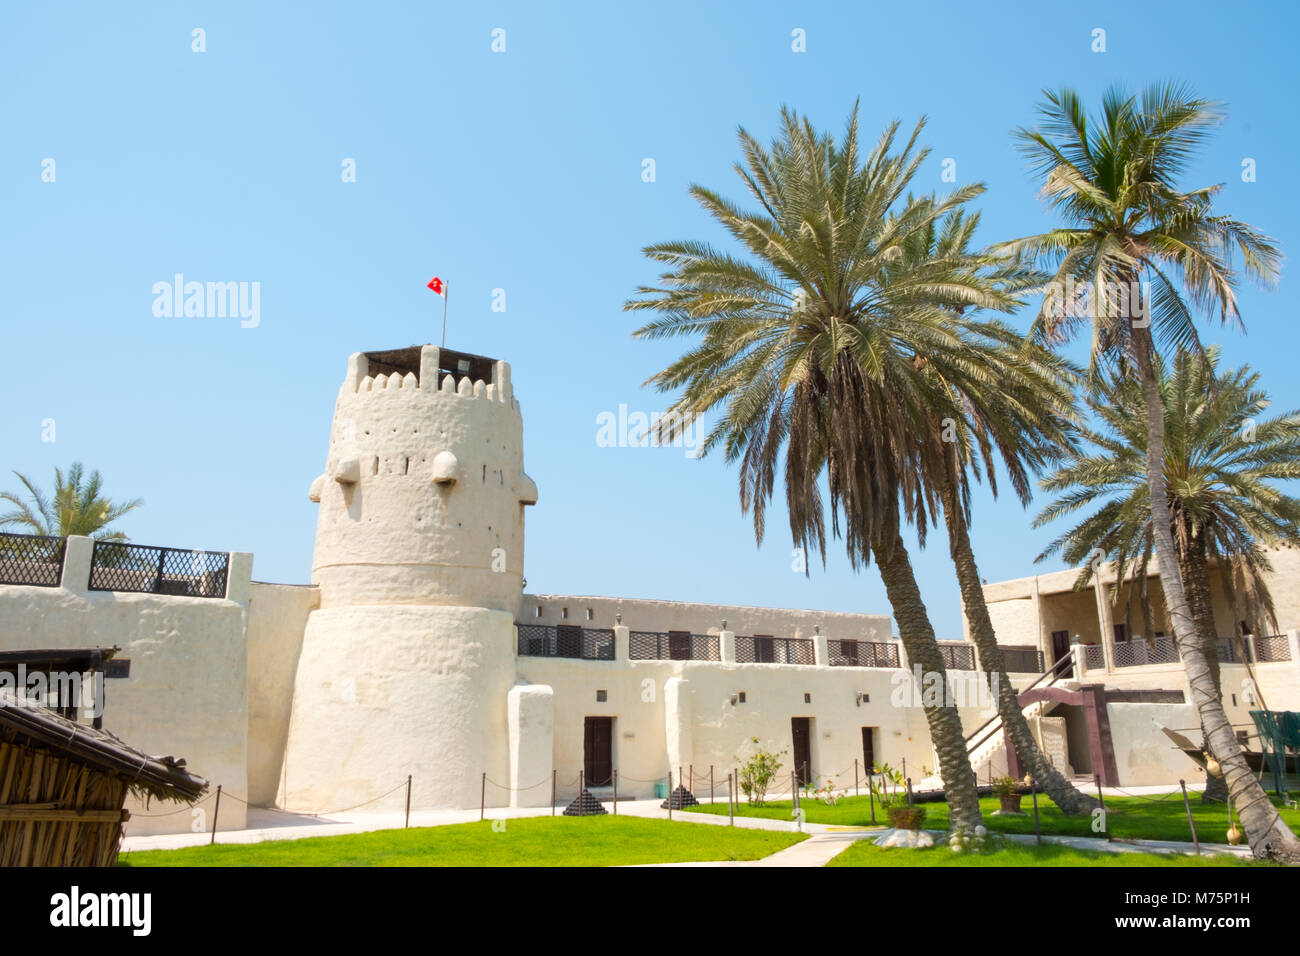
(1018, 406)
(1128, 226)
(1222, 460)
(809, 355)
(76, 507)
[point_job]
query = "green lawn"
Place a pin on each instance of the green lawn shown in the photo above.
(1126, 817)
(528, 841)
(1014, 854)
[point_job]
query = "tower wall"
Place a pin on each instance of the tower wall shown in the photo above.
(423, 493)
(406, 666)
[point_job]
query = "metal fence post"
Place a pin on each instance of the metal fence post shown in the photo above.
(482, 797)
(670, 793)
(1196, 844)
(615, 793)
(582, 786)
(216, 811)
(731, 806)
(553, 773)
(408, 802)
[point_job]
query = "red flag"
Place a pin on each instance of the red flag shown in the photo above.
(437, 285)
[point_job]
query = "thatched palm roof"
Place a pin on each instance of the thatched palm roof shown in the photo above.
(163, 778)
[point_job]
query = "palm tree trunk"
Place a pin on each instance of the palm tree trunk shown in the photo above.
(1063, 793)
(1267, 834)
(1196, 575)
(918, 639)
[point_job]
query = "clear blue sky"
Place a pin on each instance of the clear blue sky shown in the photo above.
(520, 171)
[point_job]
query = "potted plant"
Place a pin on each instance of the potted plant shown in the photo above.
(1008, 794)
(903, 817)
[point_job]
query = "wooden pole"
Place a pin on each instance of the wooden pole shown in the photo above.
(482, 797)
(871, 795)
(1038, 833)
(408, 802)
(909, 791)
(615, 793)
(216, 810)
(582, 785)
(1101, 799)
(710, 784)
(553, 773)
(855, 776)
(1196, 844)
(670, 793)
(446, 293)
(731, 805)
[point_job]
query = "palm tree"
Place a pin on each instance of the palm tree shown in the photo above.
(1018, 412)
(76, 507)
(1114, 182)
(1221, 463)
(808, 351)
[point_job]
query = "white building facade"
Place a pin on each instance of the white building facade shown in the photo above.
(414, 651)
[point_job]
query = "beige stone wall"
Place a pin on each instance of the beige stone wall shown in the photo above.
(277, 616)
(721, 731)
(647, 615)
(187, 693)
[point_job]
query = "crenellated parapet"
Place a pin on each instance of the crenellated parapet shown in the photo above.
(423, 485)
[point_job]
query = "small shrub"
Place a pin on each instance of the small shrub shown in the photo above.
(757, 773)
(903, 817)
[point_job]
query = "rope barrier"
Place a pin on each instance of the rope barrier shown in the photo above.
(502, 786)
(326, 813)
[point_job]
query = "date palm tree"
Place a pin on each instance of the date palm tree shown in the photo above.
(76, 507)
(1017, 411)
(1222, 462)
(806, 353)
(1114, 179)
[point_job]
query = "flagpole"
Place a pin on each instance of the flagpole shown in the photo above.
(446, 291)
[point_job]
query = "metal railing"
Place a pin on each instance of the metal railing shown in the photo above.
(1228, 652)
(673, 646)
(117, 566)
(1062, 669)
(1022, 660)
(862, 653)
(762, 649)
(31, 559)
(958, 657)
(1273, 647)
(584, 643)
(1135, 653)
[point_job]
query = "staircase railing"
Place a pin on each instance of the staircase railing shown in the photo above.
(1054, 672)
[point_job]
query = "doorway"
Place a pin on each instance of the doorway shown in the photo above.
(801, 737)
(598, 751)
(1061, 648)
(868, 748)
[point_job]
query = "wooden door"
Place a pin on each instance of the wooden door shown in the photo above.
(679, 645)
(868, 748)
(598, 751)
(802, 749)
(1061, 648)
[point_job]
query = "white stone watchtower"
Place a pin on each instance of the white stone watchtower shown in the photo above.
(406, 665)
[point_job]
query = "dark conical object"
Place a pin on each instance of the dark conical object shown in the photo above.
(585, 805)
(681, 797)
